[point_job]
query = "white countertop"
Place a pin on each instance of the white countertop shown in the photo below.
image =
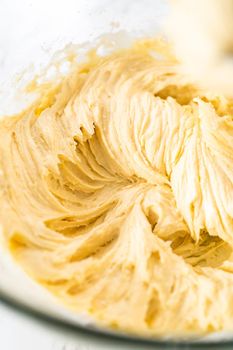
(20, 333)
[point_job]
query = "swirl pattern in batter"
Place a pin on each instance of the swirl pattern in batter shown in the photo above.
(117, 194)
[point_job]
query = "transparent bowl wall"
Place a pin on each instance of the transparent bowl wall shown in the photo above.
(30, 32)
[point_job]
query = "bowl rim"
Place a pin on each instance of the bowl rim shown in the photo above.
(101, 334)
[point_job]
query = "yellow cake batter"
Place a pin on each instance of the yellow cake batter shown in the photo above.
(117, 194)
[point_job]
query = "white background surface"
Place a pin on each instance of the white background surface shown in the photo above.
(19, 333)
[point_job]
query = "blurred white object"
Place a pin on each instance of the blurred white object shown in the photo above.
(202, 32)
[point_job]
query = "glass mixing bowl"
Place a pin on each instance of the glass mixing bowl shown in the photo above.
(30, 33)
